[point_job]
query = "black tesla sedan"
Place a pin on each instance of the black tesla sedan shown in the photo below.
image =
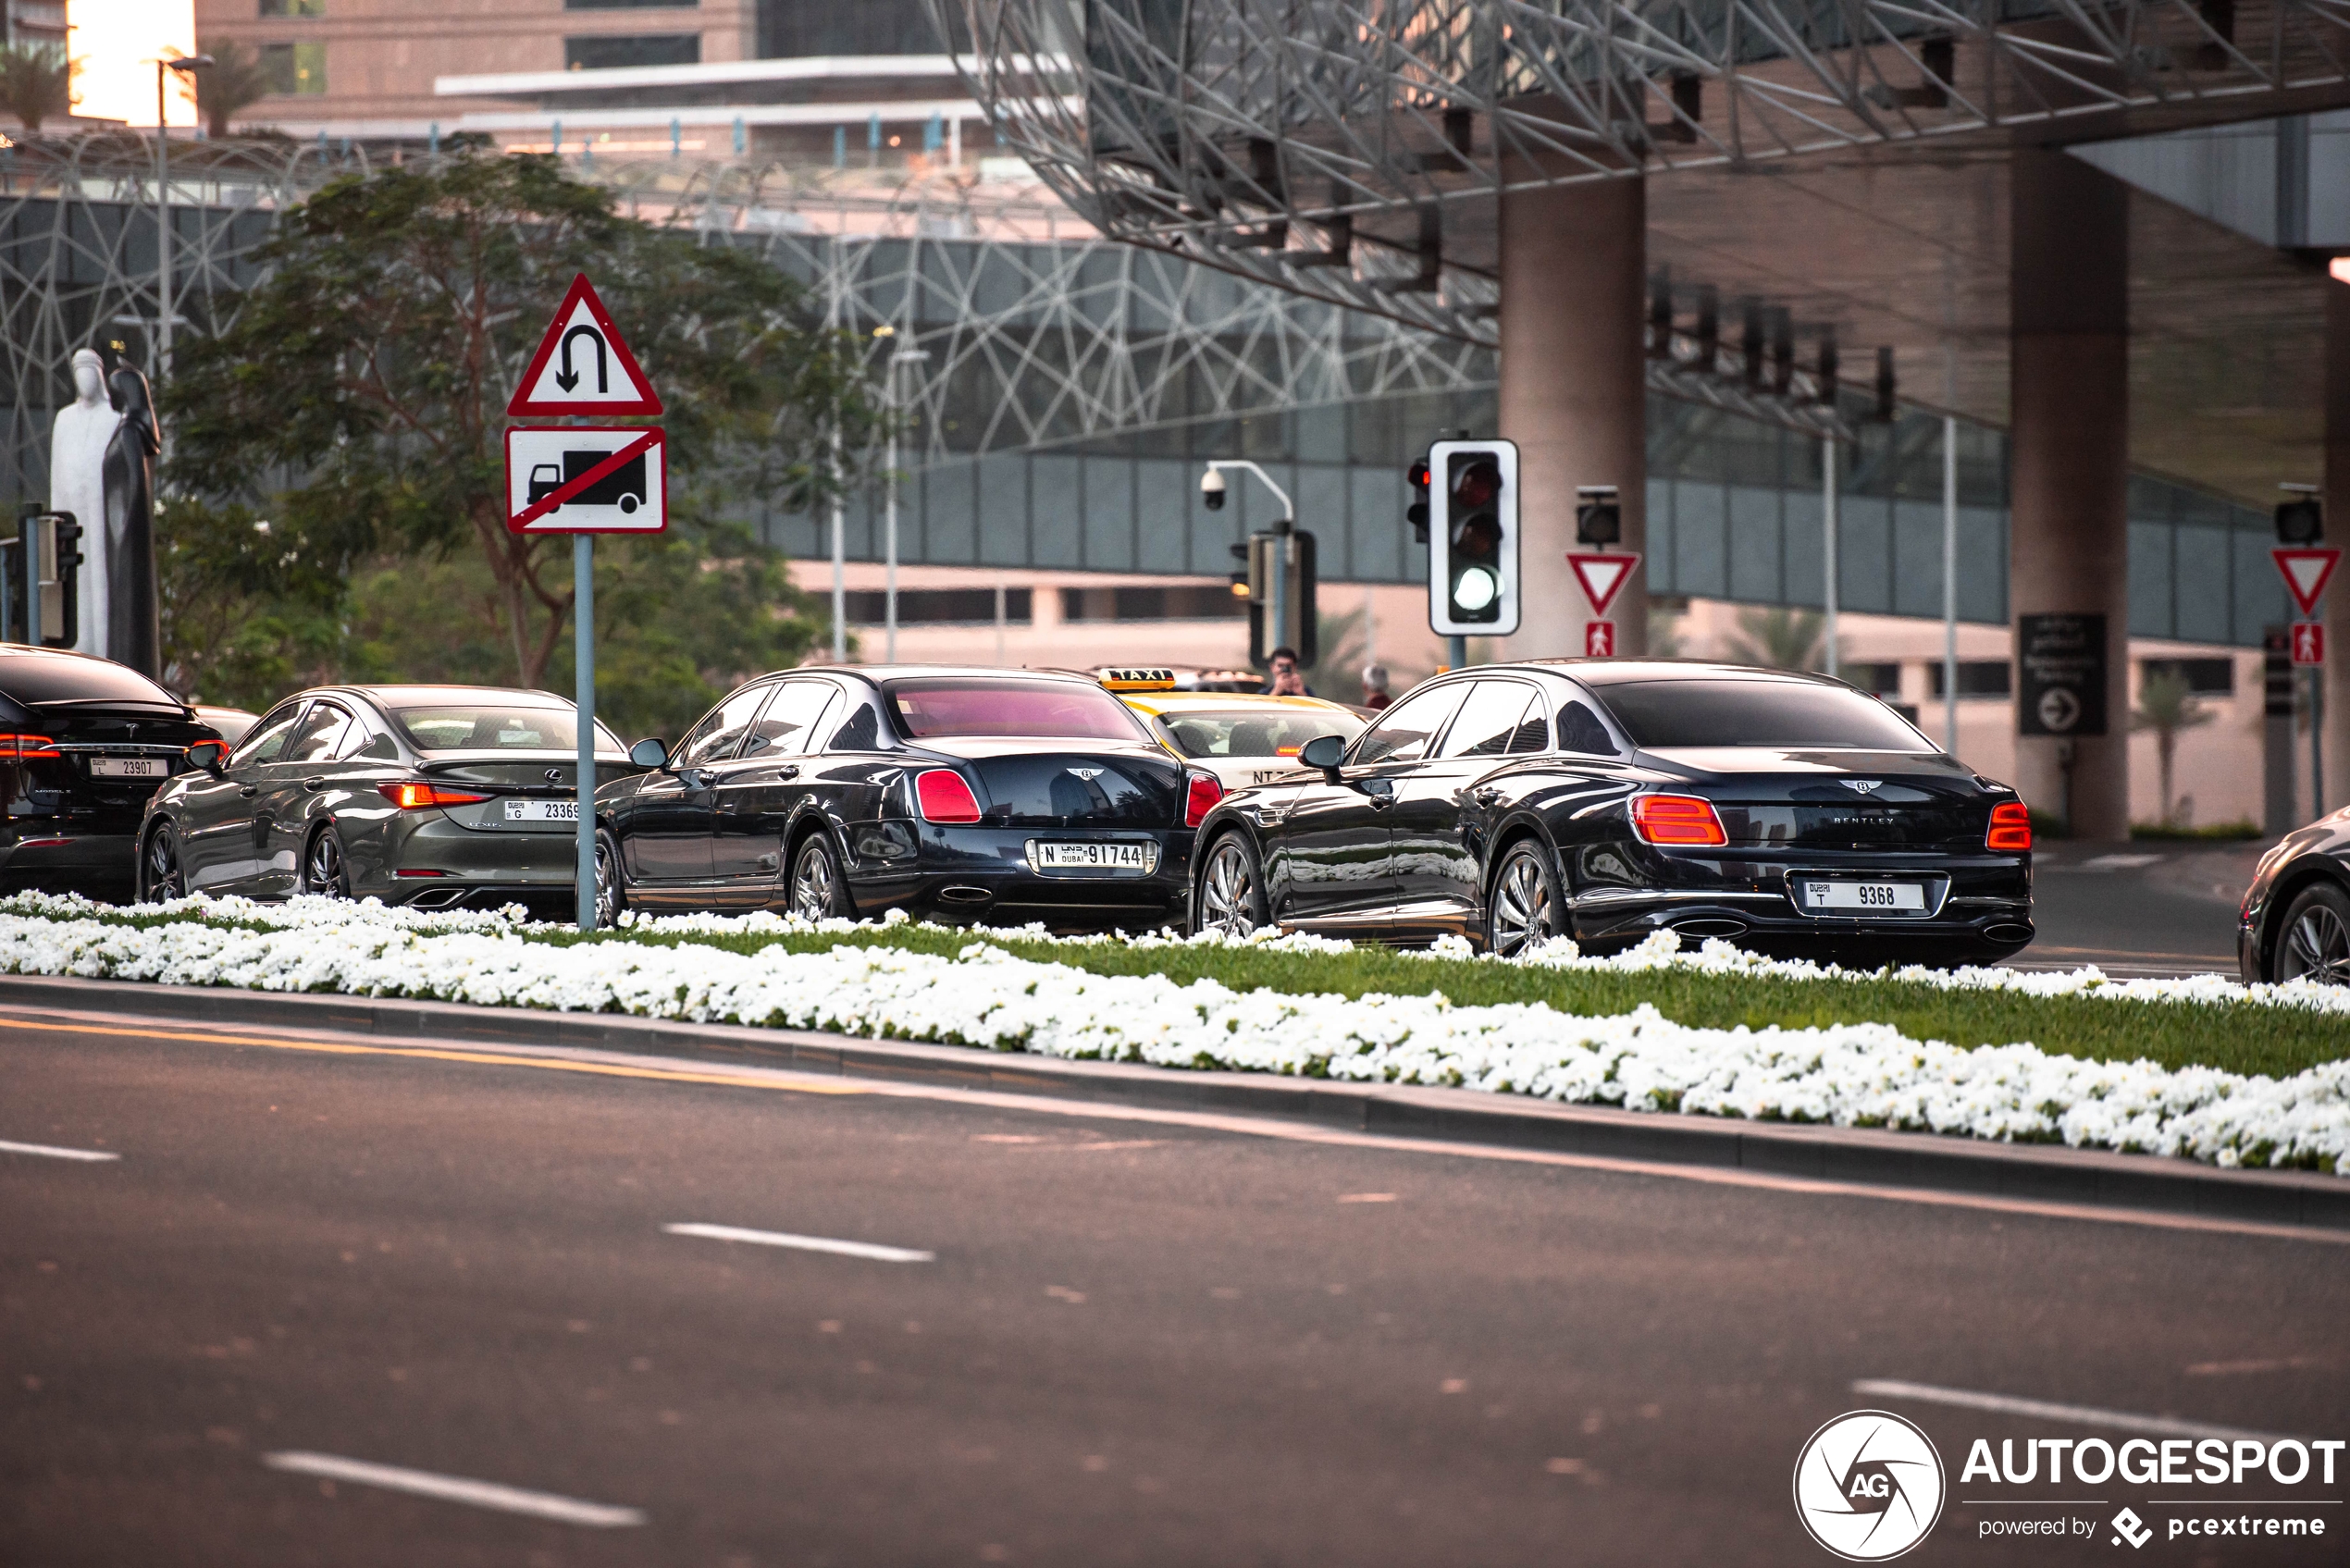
(435, 796)
(2296, 920)
(1606, 800)
(956, 795)
(84, 743)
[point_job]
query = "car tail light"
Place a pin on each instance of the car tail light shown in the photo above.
(945, 796)
(417, 797)
(417, 871)
(1677, 819)
(2010, 826)
(1200, 798)
(17, 748)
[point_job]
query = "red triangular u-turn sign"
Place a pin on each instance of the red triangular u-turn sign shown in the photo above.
(1602, 575)
(2306, 572)
(583, 365)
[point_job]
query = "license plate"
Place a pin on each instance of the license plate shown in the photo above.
(1117, 856)
(1865, 897)
(543, 810)
(129, 768)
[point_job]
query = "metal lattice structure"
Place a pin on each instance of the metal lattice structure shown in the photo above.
(1351, 150)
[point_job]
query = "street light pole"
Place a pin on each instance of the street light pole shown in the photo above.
(889, 586)
(1277, 630)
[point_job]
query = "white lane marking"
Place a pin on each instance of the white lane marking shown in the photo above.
(52, 1151)
(456, 1488)
(664, 1066)
(2042, 1409)
(805, 1244)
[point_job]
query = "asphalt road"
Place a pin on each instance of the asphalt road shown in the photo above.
(2137, 909)
(1140, 1339)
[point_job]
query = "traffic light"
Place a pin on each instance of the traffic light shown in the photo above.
(1598, 516)
(2301, 520)
(1416, 513)
(1472, 539)
(45, 611)
(1298, 625)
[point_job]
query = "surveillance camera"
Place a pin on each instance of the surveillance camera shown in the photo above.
(1211, 489)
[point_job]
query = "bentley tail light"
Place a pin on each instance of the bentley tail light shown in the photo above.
(1677, 819)
(418, 796)
(2010, 826)
(1200, 797)
(945, 797)
(17, 748)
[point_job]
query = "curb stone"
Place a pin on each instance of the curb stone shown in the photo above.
(1863, 1156)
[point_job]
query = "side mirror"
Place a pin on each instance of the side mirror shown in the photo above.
(1324, 752)
(209, 755)
(650, 752)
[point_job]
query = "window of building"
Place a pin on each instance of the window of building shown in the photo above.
(294, 8)
(2204, 677)
(1977, 677)
(794, 27)
(630, 5)
(1178, 602)
(612, 51)
(1884, 680)
(295, 67)
(940, 606)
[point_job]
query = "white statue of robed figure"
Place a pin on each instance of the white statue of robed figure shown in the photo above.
(78, 484)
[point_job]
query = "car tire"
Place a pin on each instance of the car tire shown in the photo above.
(160, 876)
(325, 870)
(1527, 904)
(611, 881)
(818, 890)
(1231, 890)
(2313, 941)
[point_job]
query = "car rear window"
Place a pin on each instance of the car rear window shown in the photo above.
(32, 677)
(980, 707)
(1663, 714)
(1253, 731)
(495, 726)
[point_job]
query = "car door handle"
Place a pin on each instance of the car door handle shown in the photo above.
(248, 791)
(314, 783)
(1485, 797)
(789, 772)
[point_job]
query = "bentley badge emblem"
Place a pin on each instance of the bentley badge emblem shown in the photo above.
(1863, 785)
(1088, 774)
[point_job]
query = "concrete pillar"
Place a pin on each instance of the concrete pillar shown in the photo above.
(1575, 394)
(2069, 371)
(2337, 504)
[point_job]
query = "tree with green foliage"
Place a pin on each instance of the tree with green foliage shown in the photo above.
(36, 83)
(1783, 639)
(358, 396)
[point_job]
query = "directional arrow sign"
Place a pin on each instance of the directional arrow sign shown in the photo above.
(1603, 576)
(2306, 572)
(582, 366)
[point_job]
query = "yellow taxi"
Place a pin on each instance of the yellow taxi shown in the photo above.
(1242, 737)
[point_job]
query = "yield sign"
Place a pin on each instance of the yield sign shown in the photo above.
(1602, 575)
(582, 366)
(2306, 572)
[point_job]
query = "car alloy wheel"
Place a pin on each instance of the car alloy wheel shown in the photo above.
(162, 868)
(815, 881)
(1523, 914)
(1229, 897)
(323, 871)
(610, 899)
(2316, 939)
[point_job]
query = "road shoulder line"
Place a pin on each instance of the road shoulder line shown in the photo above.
(1844, 1156)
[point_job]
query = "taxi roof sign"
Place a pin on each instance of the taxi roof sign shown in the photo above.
(1150, 679)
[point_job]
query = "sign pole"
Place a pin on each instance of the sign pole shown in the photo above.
(583, 614)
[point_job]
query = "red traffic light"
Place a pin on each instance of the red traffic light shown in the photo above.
(1477, 485)
(1416, 476)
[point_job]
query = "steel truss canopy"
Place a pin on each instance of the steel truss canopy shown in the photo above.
(1351, 149)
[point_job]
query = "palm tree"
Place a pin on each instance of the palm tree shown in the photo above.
(235, 82)
(36, 81)
(2166, 706)
(1784, 639)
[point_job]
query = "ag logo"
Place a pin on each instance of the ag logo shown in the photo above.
(1868, 1486)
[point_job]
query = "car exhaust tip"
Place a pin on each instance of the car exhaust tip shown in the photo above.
(964, 895)
(438, 898)
(2008, 933)
(1711, 928)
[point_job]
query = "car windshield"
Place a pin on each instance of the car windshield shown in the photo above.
(32, 677)
(1255, 732)
(981, 707)
(495, 726)
(1757, 712)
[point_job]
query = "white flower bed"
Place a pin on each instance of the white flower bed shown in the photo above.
(1859, 1075)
